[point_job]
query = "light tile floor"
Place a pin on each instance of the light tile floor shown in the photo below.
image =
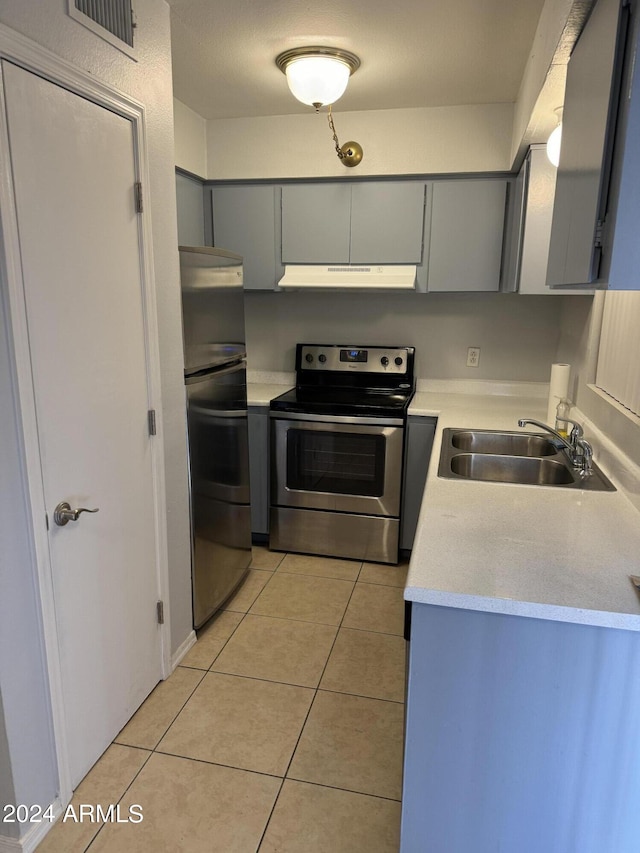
(280, 732)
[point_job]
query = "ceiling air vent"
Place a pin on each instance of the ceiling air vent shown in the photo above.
(113, 16)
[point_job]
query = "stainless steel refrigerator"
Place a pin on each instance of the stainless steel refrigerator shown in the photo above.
(216, 386)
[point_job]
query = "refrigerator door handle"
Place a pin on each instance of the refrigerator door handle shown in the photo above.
(209, 373)
(219, 414)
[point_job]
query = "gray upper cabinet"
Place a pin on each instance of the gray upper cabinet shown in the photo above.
(316, 223)
(245, 221)
(588, 127)
(621, 246)
(539, 178)
(466, 235)
(373, 222)
(387, 222)
(190, 202)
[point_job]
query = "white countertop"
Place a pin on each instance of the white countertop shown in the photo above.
(262, 393)
(264, 385)
(538, 551)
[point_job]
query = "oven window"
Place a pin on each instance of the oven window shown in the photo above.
(340, 463)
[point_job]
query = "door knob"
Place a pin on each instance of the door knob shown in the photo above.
(63, 513)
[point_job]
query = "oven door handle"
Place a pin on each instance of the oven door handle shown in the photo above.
(336, 419)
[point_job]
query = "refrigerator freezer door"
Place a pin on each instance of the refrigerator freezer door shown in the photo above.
(212, 307)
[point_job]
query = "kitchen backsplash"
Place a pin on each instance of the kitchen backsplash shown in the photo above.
(518, 335)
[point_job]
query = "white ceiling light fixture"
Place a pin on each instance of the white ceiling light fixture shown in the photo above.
(555, 140)
(318, 77)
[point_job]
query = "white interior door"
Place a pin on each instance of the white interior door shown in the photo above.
(73, 165)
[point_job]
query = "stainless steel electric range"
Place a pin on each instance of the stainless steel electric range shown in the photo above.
(337, 442)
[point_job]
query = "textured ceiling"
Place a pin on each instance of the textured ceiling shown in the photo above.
(414, 53)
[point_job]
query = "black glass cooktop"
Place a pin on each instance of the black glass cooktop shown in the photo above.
(350, 402)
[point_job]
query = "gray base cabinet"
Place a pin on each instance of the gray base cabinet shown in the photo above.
(521, 735)
(246, 221)
(417, 453)
(259, 468)
(466, 235)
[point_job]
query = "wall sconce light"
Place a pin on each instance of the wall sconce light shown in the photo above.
(555, 139)
(318, 76)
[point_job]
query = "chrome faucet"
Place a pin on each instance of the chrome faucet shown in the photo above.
(578, 448)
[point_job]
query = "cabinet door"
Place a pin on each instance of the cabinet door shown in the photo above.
(259, 468)
(467, 224)
(244, 220)
(190, 201)
(315, 223)
(590, 107)
(387, 222)
(541, 185)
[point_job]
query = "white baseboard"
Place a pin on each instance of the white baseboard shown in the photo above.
(34, 835)
(180, 652)
(10, 845)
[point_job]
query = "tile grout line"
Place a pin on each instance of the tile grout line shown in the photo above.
(224, 645)
(273, 808)
(315, 693)
(317, 688)
(153, 749)
(219, 764)
(346, 790)
(142, 766)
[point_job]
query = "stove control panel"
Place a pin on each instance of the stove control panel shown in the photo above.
(351, 358)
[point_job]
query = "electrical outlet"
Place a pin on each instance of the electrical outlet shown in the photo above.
(473, 356)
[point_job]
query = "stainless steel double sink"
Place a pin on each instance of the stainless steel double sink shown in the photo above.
(530, 459)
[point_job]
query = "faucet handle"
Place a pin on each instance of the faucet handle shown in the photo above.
(576, 431)
(584, 457)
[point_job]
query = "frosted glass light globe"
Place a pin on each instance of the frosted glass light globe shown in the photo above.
(317, 80)
(553, 145)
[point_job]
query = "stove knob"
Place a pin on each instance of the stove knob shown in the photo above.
(322, 358)
(384, 361)
(398, 361)
(308, 357)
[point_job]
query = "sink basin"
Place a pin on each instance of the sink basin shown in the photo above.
(528, 459)
(507, 443)
(511, 469)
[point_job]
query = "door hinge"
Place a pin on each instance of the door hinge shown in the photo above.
(151, 418)
(597, 240)
(137, 191)
(160, 612)
(46, 518)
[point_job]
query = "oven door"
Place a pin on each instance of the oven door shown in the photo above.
(345, 467)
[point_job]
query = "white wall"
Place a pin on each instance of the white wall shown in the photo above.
(542, 85)
(518, 335)
(395, 142)
(7, 793)
(190, 139)
(149, 81)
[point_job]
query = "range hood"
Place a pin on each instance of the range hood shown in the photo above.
(349, 277)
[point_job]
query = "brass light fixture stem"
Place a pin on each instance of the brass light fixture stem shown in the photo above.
(350, 153)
